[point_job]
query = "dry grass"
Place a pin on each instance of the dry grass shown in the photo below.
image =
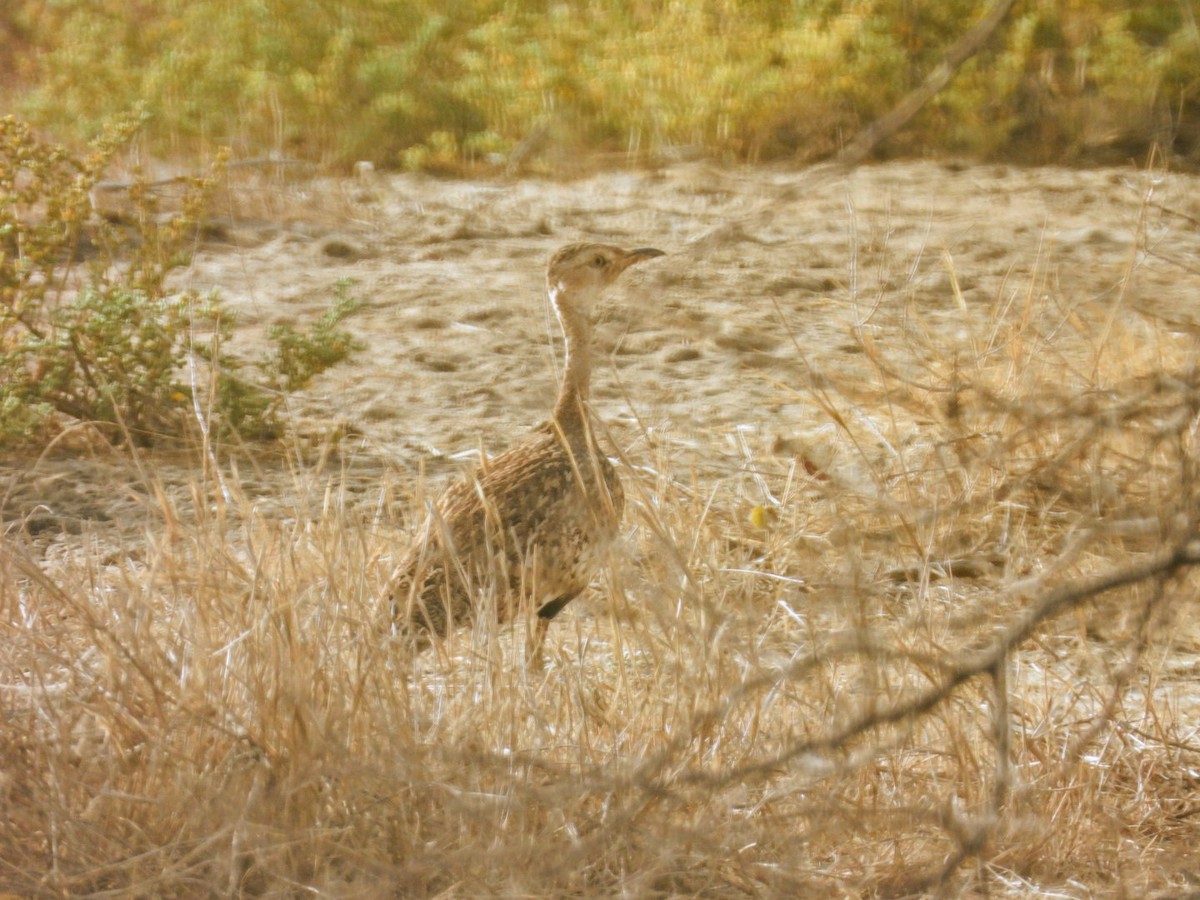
(945, 645)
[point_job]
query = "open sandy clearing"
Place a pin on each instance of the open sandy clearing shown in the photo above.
(868, 421)
(773, 280)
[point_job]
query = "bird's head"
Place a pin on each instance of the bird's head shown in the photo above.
(579, 272)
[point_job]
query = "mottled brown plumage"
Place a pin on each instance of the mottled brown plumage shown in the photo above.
(528, 529)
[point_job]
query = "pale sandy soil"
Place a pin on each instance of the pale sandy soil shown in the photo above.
(772, 279)
(791, 360)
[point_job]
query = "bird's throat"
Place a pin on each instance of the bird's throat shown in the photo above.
(577, 372)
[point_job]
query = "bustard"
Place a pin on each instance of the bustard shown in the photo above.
(529, 527)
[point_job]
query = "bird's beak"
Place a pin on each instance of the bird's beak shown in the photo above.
(636, 256)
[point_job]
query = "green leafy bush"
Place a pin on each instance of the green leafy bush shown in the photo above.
(89, 330)
(433, 84)
(107, 355)
(298, 357)
(250, 404)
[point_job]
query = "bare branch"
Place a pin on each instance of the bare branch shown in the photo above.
(899, 116)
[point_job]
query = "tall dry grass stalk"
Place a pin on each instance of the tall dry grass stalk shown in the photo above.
(944, 643)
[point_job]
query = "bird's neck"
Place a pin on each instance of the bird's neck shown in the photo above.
(569, 409)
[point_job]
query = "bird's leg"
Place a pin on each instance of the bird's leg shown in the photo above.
(538, 640)
(535, 656)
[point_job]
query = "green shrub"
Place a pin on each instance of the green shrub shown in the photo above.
(108, 355)
(435, 84)
(297, 357)
(249, 396)
(103, 340)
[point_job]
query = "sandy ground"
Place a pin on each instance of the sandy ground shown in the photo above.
(770, 275)
(776, 285)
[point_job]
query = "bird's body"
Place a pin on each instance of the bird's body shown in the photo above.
(529, 528)
(531, 524)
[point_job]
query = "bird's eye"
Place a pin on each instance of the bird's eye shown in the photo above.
(599, 262)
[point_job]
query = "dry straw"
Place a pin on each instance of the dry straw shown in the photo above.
(933, 647)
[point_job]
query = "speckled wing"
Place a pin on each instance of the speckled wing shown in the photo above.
(529, 526)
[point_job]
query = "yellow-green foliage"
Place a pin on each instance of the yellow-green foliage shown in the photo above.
(426, 83)
(102, 346)
(89, 329)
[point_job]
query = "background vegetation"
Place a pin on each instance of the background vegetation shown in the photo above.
(443, 84)
(90, 331)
